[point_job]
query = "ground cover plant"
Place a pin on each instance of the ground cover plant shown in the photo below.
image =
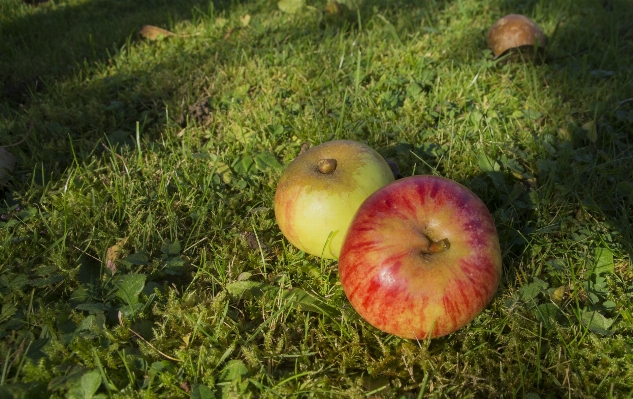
(139, 254)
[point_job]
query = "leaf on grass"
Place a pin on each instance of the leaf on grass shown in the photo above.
(233, 370)
(139, 259)
(152, 32)
(245, 20)
(240, 134)
(529, 291)
(311, 302)
(487, 164)
(597, 323)
(603, 261)
(546, 313)
(200, 391)
(291, 6)
(90, 383)
(533, 115)
(242, 166)
(130, 286)
(7, 163)
(113, 253)
(247, 289)
(171, 248)
(219, 168)
(92, 308)
(8, 310)
(266, 161)
(558, 294)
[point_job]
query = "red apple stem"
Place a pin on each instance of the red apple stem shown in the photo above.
(435, 247)
(326, 165)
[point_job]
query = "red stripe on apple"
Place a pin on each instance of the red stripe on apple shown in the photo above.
(421, 257)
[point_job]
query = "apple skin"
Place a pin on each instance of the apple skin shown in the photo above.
(392, 278)
(309, 204)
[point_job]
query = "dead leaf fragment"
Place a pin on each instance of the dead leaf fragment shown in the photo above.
(304, 147)
(253, 243)
(333, 8)
(558, 295)
(229, 33)
(113, 254)
(245, 20)
(152, 32)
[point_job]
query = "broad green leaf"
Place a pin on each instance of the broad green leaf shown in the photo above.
(533, 115)
(92, 308)
(597, 323)
(8, 310)
(130, 286)
(487, 164)
(603, 261)
(138, 258)
(171, 248)
(241, 91)
(241, 134)
(90, 383)
(247, 289)
(233, 370)
(546, 313)
(131, 310)
(92, 322)
(311, 302)
(200, 391)
(244, 165)
(291, 6)
(266, 160)
(414, 90)
(222, 170)
(530, 291)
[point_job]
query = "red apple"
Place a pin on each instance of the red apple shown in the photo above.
(421, 257)
(319, 192)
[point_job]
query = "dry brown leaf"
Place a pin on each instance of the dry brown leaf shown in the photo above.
(152, 32)
(113, 253)
(333, 8)
(229, 33)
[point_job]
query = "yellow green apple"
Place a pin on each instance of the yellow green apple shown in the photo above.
(321, 189)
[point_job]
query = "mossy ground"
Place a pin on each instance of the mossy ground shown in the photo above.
(139, 254)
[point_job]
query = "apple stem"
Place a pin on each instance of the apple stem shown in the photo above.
(326, 165)
(435, 247)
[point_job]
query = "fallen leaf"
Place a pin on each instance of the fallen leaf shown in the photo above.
(7, 163)
(558, 295)
(245, 20)
(113, 254)
(291, 6)
(304, 147)
(592, 131)
(229, 33)
(333, 8)
(152, 32)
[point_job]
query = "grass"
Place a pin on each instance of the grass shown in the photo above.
(139, 254)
